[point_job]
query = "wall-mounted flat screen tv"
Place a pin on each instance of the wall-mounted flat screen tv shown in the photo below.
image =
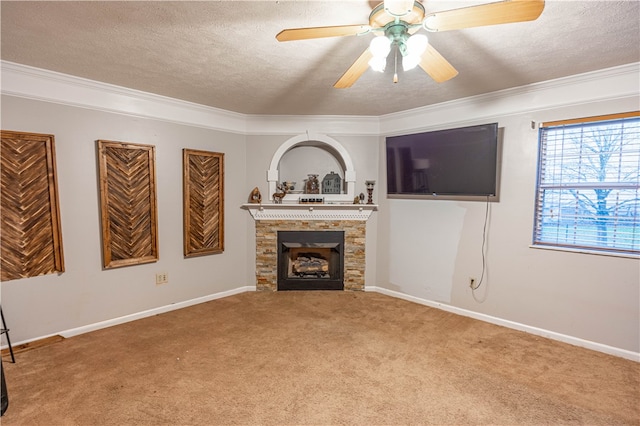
(452, 163)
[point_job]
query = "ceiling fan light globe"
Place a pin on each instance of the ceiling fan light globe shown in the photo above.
(398, 7)
(378, 63)
(417, 44)
(380, 46)
(409, 62)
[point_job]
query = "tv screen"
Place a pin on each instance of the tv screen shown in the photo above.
(453, 162)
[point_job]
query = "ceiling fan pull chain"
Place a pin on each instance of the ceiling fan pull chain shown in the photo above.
(395, 67)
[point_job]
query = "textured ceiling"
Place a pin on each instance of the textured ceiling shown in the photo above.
(224, 53)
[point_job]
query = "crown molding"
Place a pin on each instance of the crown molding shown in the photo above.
(352, 125)
(50, 86)
(619, 82)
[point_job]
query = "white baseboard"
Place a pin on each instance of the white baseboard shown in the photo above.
(622, 353)
(138, 315)
(155, 311)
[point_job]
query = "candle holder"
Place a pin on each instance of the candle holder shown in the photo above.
(370, 184)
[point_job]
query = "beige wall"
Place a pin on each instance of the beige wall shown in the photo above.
(588, 296)
(86, 294)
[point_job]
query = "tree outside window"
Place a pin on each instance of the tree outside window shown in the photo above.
(588, 191)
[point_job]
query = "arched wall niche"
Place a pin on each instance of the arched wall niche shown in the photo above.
(325, 143)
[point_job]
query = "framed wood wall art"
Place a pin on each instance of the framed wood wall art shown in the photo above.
(127, 203)
(203, 194)
(30, 234)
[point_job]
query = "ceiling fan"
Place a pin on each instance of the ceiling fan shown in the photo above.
(396, 22)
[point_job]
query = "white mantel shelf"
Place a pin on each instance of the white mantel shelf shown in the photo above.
(323, 211)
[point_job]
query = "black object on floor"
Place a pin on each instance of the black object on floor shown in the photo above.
(5, 330)
(4, 403)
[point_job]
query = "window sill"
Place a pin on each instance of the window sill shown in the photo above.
(586, 251)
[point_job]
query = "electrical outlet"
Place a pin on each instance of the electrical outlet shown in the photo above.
(162, 278)
(472, 282)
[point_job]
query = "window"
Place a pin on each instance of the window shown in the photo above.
(588, 189)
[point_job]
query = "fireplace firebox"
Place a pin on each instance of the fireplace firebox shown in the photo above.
(310, 260)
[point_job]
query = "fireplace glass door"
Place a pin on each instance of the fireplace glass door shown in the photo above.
(310, 260)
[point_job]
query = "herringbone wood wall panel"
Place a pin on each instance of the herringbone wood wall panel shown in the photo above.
(128, 203)
(31, 238)
(203, 195)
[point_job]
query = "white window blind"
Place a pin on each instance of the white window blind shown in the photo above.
(588, 188)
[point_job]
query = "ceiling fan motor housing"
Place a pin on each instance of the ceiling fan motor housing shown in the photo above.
(397, 33)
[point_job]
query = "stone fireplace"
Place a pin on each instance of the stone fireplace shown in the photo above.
(353, 253)
(321, 262)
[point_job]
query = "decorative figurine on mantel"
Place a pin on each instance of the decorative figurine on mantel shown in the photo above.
(281, 191)
(255, 197)
(370, 184)
(312, 185)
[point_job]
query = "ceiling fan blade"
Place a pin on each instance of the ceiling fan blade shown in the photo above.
(320, 32)
(503, 12)
(434, 64)
(355, 71)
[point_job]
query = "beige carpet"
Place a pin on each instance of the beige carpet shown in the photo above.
(325, 358)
